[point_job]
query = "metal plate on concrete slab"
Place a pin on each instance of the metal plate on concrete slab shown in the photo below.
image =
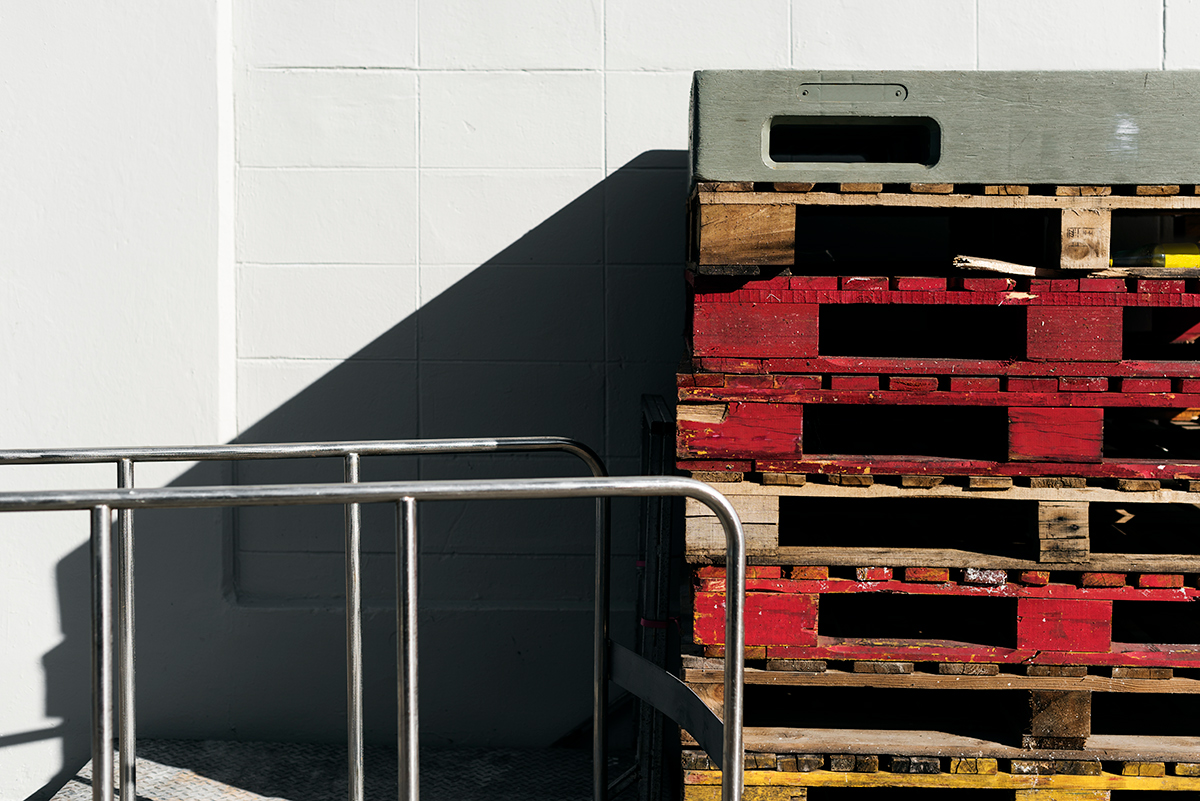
(1078, 128)
(209, 770)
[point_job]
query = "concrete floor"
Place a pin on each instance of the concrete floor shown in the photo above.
(186, 770)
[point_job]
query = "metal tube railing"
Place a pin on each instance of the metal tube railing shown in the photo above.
(405, 495)
(351, 453)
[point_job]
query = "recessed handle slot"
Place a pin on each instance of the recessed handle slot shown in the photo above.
(848, 140)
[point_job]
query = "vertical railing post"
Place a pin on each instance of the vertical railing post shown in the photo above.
(126, 725)
(102, 657)
(600, 662)
(408, 739)
(354, 674)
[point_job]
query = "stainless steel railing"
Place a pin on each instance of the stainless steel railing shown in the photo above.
(640, 678)
(351, 453)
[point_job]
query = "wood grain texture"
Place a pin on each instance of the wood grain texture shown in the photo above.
(1063, 532)
(747, 234)
(1051, 624)
(756, 330)
(1058, 720)
(744, 429)
(771, 619)
(1085, 239)
(1055, 435)
(1073, 334)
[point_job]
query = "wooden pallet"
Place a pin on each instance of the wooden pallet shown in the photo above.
(976, 616)
(788, 322)
(738, 229)
(933, 523)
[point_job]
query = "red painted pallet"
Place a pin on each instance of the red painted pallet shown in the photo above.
(1093, 320)
(1054, 624)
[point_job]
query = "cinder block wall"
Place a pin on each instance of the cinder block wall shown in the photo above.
(281, 220)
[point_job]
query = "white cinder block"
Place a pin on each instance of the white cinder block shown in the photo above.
(646, 115)
(1070, 34)
(511, 217)
(516, 119)
(326, 399)
(880, 34)
(326, 312)
(517, 312)
(682, 35)
(510, 34)
(1183, 34)
(327, 118)
(305, 216)
(319, 33)
(492, 399)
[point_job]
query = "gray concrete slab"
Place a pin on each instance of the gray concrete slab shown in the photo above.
(210, 770)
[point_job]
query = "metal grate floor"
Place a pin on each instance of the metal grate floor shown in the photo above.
(214, 770)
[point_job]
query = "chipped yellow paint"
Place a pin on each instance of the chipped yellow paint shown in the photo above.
(980, 766)
(997, 781)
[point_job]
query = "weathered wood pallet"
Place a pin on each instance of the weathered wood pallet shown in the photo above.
(737, 229)
(791, 321)
(1052, 624)
(759, 671)
(927, 522)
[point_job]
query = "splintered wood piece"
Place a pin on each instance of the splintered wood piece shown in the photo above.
(708, 431)
(751, 652)
(1083, 191)
(854, 763)
(794, 186)
(1170, 581)
(761, 331)
(1102, 580)
(1057, 671)
(756, 761)
(927, 574)
(980, 575)
(1085, 239)
(1063, 532)
(717, 476)
(921, 482)
(809, 573)
(1142, 673)
(850, 479)
(772, 618)
(979, 766)
(1160, 190)
(1073, 333)
(1056, 624)
(884, 668)
(1041, 434)
(931, 189)
(914, 764)
(798, 665)
(1058, 719)
(989, 482)
(784, 479)
(1139, 484)
(864, 188)
(800, 763)
(1057, 482)
(968, 669)
(747, 234)
(873, 573)
(1143, 769)
(1005, 189)
(725, 186)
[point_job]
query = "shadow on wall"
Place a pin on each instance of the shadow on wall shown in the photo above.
(239, 613)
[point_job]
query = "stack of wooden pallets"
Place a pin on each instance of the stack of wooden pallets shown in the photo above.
(970, 497)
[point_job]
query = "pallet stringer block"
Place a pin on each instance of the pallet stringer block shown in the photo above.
(1085, 238)
(1063, 532)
